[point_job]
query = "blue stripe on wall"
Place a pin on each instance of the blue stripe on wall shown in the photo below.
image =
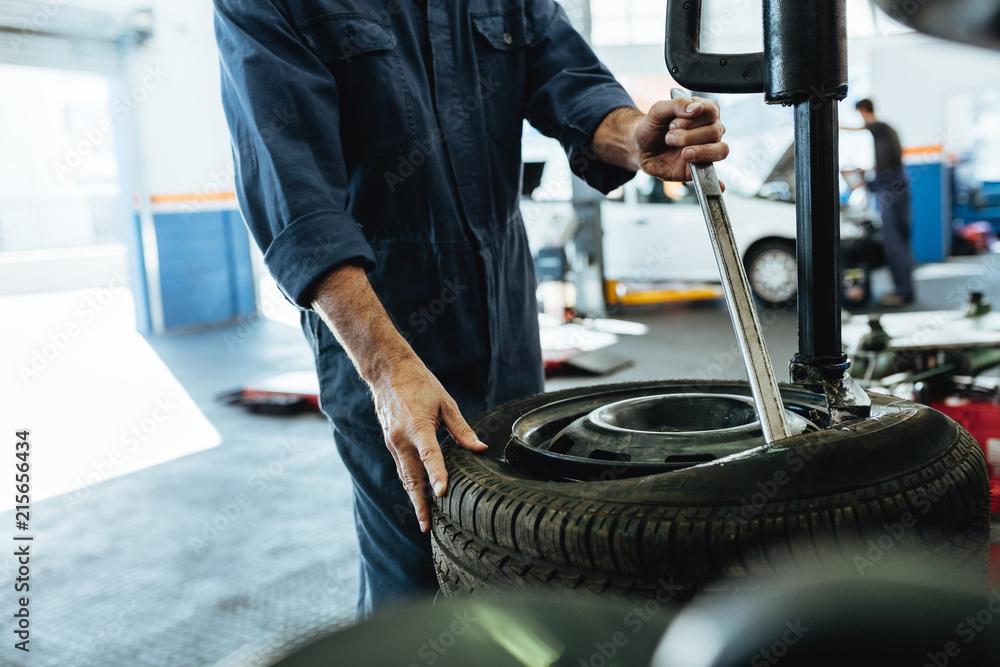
(205, 273)
(241, 272)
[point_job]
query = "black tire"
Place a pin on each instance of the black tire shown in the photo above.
(847, 488)
(771, 271)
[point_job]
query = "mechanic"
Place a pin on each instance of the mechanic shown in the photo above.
(891, 189)
(378, 167)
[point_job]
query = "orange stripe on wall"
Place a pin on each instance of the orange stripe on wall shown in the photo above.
(920, 150)
(206, 196)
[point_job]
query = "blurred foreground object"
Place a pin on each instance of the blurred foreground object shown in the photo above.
(874, 618)
(975, 22)
(523, 631)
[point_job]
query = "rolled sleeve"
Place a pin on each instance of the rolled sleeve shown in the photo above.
(570, 92)
(282, 107)
(309, 247)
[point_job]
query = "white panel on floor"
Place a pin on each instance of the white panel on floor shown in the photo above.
(98, 401)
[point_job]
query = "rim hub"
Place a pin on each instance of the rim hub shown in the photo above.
(618, 434)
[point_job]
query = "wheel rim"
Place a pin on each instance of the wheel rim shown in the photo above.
(773, 275)
(630, 433)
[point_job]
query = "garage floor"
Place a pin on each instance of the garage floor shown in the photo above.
(216, 557)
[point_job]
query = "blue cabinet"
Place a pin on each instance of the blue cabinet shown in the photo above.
(205, 272)
(931, 233)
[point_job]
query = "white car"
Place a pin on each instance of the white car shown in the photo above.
(656, 233)
(650, 236)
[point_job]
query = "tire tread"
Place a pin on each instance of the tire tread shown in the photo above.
(522, 538)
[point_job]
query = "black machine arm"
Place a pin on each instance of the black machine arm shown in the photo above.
(707, 72)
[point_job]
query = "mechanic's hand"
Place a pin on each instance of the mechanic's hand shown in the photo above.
(676, 132)
(412, 405)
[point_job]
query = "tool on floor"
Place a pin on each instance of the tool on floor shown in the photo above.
(279, 395)
(763, 384)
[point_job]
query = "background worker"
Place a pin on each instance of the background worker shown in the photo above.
(891, 189)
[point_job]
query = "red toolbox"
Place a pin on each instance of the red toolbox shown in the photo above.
(981, 418)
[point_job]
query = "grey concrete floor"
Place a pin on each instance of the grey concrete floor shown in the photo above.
(219, 556)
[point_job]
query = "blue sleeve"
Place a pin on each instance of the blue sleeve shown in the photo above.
(282, 108)
(570, 92)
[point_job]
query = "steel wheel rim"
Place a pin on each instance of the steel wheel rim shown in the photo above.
(606, 435)
(774, 276)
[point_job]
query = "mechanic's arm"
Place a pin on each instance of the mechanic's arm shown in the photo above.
(410, 402)
(574, 98)
(282, 106)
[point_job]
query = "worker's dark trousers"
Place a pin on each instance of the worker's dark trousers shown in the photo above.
(891, 191)
(395, 556)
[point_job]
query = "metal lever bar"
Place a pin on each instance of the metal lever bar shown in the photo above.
(763, 384)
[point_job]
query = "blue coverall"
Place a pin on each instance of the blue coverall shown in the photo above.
(387, 134)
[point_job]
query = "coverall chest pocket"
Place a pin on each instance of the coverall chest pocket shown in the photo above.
(376, 107)
(501, 41)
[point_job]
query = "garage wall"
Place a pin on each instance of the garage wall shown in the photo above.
(185, 144)
(184, 152)
(908, 74)
(181, 126)
(912, 80)
(171, 98)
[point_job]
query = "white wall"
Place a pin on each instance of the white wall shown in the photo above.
(914, 79)
(174, 96)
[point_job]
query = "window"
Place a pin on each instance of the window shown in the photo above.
(59, 182)
(619, 22)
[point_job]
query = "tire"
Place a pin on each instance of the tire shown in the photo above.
(822, 497)
(771, 271)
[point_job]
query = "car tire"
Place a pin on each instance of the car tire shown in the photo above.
(771, 271)
(907, 480)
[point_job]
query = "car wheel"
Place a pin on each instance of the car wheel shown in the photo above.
(690, 495)
(771, 271)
